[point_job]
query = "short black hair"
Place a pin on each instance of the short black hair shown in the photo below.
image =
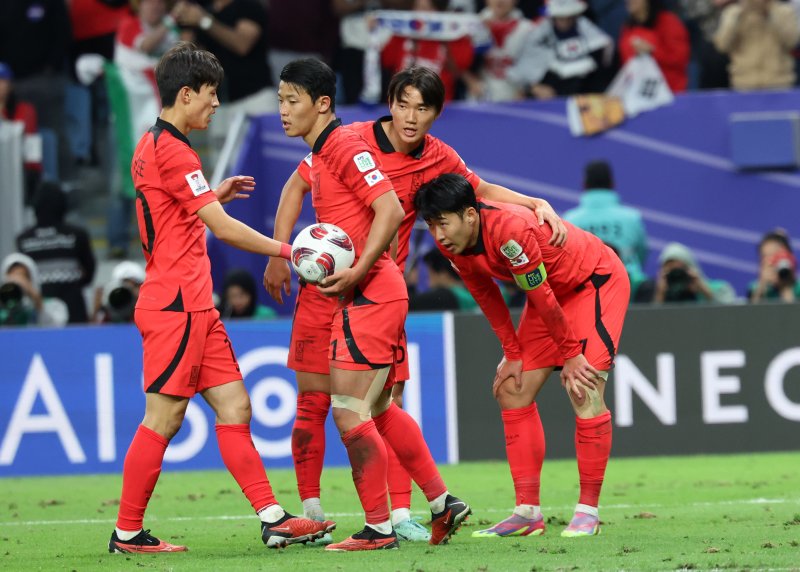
(427, 81)
(448, 193)
(313, 76)
(598, 175)
(778, 235)
(185, 64)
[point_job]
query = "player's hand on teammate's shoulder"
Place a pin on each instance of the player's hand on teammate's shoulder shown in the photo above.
(340, 282)
(238, 187)
(508, 371)
(577, 372)
(547, 214)
(278, 278)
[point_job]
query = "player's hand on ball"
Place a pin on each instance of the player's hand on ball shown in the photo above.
(508, 370)
(340, 282)
(278, 278)
(577, 372)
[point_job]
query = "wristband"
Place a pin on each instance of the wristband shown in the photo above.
(286, 251)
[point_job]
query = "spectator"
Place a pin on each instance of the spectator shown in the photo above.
(501, 72)
(680, 279)
(759, 36)
(777, 277)
(21, 301)
(12, 109)
(354, 40)
(702, 19)
(652, 29)
(445, 289)
(569, 54)
(448, 59)
(61, 250)
(34, 41)
(619, 226)
(116, 301)
(240, 298)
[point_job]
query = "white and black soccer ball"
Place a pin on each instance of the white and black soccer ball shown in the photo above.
(320, 250)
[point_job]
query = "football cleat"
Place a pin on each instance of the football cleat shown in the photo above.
(293, 529)
(367, 539)
(514, 525)
(412, 531)
(142, 543)
(582, 524)
(446, 523)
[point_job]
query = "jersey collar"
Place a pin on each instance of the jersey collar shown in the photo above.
(383, 140)
(160, 123)
(324, 135)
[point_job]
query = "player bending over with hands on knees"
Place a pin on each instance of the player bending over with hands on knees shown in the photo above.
(409, 156)
(186, 348)
(577, 297)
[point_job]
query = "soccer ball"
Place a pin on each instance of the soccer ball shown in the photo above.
(320, 250)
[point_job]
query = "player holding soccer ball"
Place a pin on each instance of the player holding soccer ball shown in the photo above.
(577, 297)
(410, 156)
(351, 191)
(186, 348)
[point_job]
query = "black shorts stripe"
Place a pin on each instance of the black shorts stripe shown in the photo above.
(162, 379)
(352, 347)
(598, 280)
(150, 229)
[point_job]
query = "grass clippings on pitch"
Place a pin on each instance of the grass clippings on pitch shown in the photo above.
(731, 512)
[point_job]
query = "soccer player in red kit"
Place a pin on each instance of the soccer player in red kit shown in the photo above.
(577, 297)
(409, 157)
(349, 189)
(186, 348)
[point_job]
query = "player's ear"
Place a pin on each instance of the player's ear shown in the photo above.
(184, 95)
(470, 215)
(324, 103)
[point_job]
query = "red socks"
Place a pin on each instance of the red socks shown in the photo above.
(399, 481)
(308, 441)
(592, 447)
(244, 463)
(525, 447)
(367, 455)
(403, 434)
(139, 476)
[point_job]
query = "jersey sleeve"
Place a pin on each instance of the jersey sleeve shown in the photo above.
(182, 178)
(304, 169)
(488, 296)
(523, 257)
(360, 170)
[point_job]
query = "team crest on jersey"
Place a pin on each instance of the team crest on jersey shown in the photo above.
(308, 159)
(373, 177)
(511, 249)
(364, 161)
(197, 182)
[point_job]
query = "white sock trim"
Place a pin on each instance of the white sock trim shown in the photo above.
(437, 504)
(400, 514)
(382, 527)
(272, 513)
(586, 509)
(529, 511)
(125, 535)
(312, 508)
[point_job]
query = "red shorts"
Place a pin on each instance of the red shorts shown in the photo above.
(185, 352)
(400, 370)
(367, 336)
(311, 331)
(595, 311)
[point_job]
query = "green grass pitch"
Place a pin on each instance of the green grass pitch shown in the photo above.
(734, 512)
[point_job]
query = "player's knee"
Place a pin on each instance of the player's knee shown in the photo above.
(235, 411)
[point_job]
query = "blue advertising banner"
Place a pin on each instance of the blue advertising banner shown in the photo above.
(72, 398)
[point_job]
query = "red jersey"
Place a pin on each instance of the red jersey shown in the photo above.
(407, 171)
(170, 189)
(346, 178)
(512, 245)
(671, 49)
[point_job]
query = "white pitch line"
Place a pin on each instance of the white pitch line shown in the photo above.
(649, 506)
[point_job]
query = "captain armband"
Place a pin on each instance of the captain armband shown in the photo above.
(533, 279)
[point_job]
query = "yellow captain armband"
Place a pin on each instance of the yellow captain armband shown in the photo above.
(533, 279)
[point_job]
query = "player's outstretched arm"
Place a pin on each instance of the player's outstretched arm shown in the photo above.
(277, 274)
(236, 233)
(544, 212)
(389, 214)
(238, 187)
